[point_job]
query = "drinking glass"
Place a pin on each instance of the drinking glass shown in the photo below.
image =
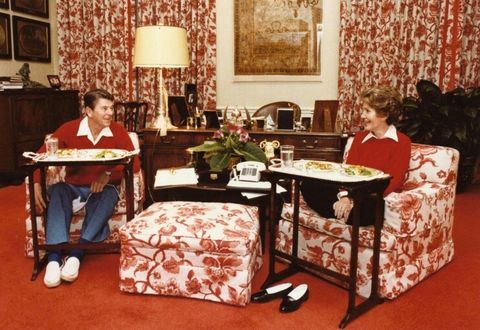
(286, 155)
(51, 145)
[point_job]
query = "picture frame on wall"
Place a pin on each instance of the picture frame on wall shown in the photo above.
(32, 7)
(4, 4)
(5, 41)
(31, 40)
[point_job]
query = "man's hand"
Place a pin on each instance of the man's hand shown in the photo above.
(342, 208)
(40, 204)
(100, 183)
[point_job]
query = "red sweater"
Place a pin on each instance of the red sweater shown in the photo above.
(85, 175)
(386, 155)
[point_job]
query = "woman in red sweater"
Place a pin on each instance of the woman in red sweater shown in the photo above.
(379, 146)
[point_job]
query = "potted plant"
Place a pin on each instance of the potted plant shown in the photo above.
(449, 119)
(231, 144)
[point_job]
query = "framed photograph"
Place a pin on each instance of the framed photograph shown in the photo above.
(5, 42)
(4, 4)
(31, 40)
(54, 81)
(32, 7)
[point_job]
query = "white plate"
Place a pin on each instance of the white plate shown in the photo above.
(315, 166)
(75, 155)
(368, 172)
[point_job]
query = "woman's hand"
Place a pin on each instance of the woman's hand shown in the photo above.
(342, 208)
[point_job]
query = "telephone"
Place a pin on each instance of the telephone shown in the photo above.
(249, 171)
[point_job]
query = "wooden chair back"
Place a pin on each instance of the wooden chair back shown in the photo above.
(132, 115)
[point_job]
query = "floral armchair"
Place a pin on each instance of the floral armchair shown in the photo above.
(56, 174)
(416, 238)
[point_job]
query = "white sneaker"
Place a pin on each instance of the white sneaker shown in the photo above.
(52, 275)
(70, 269)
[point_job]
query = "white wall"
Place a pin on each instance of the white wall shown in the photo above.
(254, 94)
(38, 70)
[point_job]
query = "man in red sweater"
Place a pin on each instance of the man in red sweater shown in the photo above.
(93, 186)
(379, 146)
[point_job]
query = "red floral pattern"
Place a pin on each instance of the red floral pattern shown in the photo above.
(416, 239)
(399, 42)
(96, 41)
(207, 251)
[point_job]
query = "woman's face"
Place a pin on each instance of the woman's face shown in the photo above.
(371, 121)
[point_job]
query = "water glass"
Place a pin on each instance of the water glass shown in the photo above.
(286, 155)
(51, 145)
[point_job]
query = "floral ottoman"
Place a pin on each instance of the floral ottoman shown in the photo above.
(207, 251)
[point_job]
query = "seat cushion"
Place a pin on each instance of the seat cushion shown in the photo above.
(193, 226)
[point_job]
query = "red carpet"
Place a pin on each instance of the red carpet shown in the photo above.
(450, 299)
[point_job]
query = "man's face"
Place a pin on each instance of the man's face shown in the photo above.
(101, 115)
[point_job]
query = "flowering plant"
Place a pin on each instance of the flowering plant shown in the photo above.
(228, 141)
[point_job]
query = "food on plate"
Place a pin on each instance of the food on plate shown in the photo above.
(106, 154)
(358, 170)
(67, 153)
(318, 166)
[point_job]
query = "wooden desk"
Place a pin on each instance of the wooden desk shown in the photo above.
(31, 166)
(170, 150)
(357, 191)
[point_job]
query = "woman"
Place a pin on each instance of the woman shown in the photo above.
(379, 146)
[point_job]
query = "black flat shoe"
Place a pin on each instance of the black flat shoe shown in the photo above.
(272, 292)
(294, 299)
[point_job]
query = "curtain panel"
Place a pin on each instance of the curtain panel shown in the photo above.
(398, 42)
(96, 40)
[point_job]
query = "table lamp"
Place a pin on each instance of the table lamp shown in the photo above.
(160, 46)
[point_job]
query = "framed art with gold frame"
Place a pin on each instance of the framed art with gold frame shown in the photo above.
(32, 7)
(31, 40)
(5, 41)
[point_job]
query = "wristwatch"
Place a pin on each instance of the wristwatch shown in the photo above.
(108, 173)
(341, 194)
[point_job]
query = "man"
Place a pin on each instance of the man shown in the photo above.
(91, 185)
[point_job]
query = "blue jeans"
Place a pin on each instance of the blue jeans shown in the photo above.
(99, 209)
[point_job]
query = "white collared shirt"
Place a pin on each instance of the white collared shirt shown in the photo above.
(391, 133)
(84, 130)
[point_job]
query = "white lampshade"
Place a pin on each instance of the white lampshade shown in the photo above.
(160, 46)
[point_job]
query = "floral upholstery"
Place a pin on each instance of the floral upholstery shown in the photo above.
(56, 174)
(208, 251)
(416, 239)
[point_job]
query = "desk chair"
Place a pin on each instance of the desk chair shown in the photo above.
(133, 115)
(271, 109)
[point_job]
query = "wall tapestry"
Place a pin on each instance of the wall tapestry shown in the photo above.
(278, 37)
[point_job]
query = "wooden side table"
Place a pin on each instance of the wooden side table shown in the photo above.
(357, 191)
(31, 166)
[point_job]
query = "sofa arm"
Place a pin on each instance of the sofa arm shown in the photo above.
(412, 211)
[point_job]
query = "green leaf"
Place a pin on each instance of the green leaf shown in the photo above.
(252, 152)
(208, 147)
(219, 161)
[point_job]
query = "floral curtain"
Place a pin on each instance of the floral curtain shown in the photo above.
(398, 42)
(96, 39)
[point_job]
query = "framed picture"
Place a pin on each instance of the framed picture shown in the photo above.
(31, 40)
(324, 116)
(32, 7)
(277, 37)
(4, 4)
(54, 81)
(5, 42)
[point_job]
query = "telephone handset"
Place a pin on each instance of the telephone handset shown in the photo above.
(249, 171)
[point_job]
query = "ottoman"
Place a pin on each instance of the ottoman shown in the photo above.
(208, 251)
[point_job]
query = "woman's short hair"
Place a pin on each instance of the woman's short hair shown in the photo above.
(91, 97)
(386, 101)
